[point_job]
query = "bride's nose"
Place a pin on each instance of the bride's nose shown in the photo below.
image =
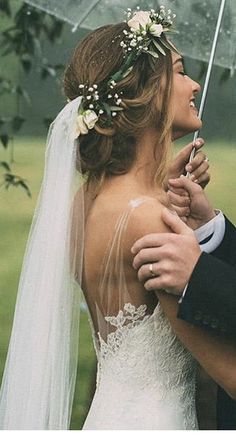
(196, 87)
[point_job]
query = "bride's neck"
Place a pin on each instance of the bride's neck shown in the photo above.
(147, 160)
(141, 176)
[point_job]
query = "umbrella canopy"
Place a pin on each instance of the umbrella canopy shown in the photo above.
(195, 21)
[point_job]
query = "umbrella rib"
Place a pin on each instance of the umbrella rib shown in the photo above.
(88, 12)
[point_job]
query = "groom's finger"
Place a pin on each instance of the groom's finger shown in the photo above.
(185, 183)
(204, 179)
(144, 273)
(178, 191)
(175, 223)
(152, 240)
(156, 283)
(146, 255)
(178, 200)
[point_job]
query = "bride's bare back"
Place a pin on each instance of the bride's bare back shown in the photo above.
(116, 217)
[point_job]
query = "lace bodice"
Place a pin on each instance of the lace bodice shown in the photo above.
(144, 360)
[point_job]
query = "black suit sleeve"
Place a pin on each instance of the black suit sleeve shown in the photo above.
(210, 299)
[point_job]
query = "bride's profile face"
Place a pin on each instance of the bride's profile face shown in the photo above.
(184, 91)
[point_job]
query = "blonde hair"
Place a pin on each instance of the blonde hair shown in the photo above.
(145, 92)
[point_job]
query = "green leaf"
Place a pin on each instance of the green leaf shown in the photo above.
(225, 75)
(5, 165)
(107, 109)
(169, 45)
(4, 140)
(47, 70)
(13, 180)
(172, 31)
(116, 108)
(26, 62)
(5, 7)
(153, 53)
(22, 92)
(126, 73)
(116, 77)
(25, 187)
(17, 123)
(159, 47)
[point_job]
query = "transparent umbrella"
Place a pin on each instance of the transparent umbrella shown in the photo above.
(196, 21)
(202, 25)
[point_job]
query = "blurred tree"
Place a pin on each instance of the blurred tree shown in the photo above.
(26, 28)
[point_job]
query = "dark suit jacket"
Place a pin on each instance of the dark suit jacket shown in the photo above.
(210, 302)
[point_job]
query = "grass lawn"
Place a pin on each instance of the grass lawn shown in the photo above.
(15, 218)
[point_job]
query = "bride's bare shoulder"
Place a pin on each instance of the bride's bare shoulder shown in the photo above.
(145, 218)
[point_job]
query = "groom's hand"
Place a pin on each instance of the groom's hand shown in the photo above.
(173, 256)
(198, 167)
(190, 202)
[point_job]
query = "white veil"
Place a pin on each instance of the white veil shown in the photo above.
(39, 377)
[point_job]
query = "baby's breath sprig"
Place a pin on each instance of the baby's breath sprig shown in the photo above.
(96, 104)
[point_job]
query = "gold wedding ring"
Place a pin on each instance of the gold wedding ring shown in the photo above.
(151, 270)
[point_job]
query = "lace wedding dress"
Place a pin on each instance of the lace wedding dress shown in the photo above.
(145, 377)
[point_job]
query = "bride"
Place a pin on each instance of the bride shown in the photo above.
(129, 96)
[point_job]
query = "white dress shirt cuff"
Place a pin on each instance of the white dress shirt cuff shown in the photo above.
(216, 228)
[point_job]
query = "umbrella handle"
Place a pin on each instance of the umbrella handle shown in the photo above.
(208, 74)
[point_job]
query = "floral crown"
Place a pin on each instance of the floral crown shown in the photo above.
(145, 36)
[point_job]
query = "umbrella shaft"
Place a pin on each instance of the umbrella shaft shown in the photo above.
(208, 75)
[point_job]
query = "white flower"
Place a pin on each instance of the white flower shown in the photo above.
(140, 18)
(133, 43)
(84, 122)
(156, 29)
(80, 127)
(90, 118)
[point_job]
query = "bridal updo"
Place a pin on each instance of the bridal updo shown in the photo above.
(145, 91)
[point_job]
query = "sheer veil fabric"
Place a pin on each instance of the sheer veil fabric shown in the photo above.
(39, 377)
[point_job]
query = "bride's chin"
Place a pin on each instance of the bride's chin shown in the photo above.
(180, 132)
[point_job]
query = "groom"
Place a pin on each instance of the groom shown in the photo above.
(205, 280)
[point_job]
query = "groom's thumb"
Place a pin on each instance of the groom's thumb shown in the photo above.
(172, 220)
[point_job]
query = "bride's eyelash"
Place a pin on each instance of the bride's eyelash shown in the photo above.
(182, 73)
